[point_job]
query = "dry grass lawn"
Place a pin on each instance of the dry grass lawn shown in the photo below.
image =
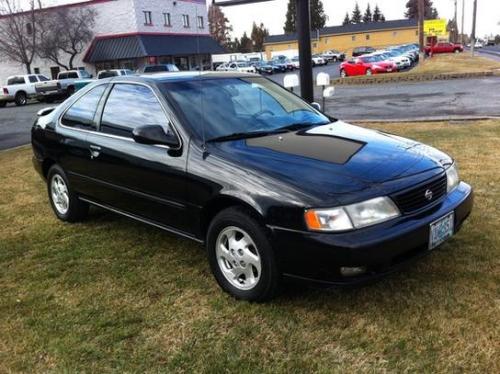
(112, 295)
(455, 63)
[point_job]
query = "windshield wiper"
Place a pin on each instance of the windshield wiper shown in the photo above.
(244, 135)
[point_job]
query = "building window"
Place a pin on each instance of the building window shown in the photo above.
(37, 70)
(185, 20)
(200, 22)
(353, 38)
(147, 18)
(29, 28)
(367, 36)
(167, 20)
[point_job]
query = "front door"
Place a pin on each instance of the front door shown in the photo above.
(144, 180)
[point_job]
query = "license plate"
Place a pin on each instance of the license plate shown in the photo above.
(441, 230)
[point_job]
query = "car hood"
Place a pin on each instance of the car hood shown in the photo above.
(334, 158)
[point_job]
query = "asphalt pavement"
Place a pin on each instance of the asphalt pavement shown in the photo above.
(404, 100)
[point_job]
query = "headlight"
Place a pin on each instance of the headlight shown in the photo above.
(452, 177)
(353, 216)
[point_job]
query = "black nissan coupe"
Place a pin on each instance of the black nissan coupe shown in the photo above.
(272, 187)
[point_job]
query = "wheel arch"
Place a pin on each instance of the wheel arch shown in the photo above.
(47, 163)
(221, 202)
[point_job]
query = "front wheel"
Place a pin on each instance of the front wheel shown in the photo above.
(368, 72)
(241, 257)
(63, 199)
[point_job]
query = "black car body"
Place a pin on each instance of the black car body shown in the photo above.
(263, 67)
(106, 144)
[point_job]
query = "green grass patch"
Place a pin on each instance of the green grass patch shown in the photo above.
(113, 295)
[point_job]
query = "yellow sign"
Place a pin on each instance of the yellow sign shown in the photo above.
(435, 27)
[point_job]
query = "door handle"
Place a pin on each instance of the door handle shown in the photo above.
(95, 151)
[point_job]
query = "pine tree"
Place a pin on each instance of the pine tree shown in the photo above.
(347, 20)
(318, 16)
(367, 17)
(382, 18)
(376, 14)
(245, 44)
(219, 26)
(356, 14)
(258, 35)
(412, 10)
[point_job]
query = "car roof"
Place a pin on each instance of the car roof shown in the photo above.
(182, 76)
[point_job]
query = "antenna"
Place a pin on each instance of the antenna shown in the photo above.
(200, 67)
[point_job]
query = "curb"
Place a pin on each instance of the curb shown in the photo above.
(410, 78)
(5, 150)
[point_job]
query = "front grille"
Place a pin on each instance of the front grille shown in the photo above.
(415, 199)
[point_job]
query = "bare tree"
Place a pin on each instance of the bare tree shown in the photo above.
(19, 30)
(65, 33)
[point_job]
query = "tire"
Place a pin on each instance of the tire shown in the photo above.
(21, 99)
(343, 74)
(249, 272)
(335, 59)
(368, 72)
(68, 208)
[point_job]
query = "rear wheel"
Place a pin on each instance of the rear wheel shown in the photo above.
(63, 199)
(457, 50)
(368, 72)
(21, 99)
(241, 257)
(343, 74)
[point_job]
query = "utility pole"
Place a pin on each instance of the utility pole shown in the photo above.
(304, 39)
(421, 28)
(455, 25)
(463, 21)
(473, 34)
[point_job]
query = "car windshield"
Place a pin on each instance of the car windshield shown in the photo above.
(223, 107)
(371, 59)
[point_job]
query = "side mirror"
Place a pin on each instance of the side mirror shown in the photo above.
(156, 135)
(45, 111)
(316, 106)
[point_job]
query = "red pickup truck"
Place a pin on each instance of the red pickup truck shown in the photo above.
(444, 48)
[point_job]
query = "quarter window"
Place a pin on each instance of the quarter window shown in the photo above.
(147, 17)
(81, 114)
(185, 20)
(129, 106)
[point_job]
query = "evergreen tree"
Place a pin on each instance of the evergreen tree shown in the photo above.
(376, 14)
(412, 10)
(258, 35)
(367, 17)
(318, 16)
(382, 18)
(347, 20)
(219, 26)
(356, 14)
(245, 44)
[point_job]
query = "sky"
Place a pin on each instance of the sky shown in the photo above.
(272, 13)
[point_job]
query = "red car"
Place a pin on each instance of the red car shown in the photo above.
(444, 48)
(366, 65)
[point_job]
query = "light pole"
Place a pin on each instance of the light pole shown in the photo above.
(473, 34)
(304, 40)
(463, 21)
(421, 29)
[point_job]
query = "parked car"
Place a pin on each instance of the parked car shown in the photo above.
(63, 86)
(333, 55)
(269, 185)
(113, 73)
(360, 51)
(263, 67)
(444, 47)
(278, 66)
(317, 60)
(401, 61)
(296, 62)
(19, 88)
(241, 66)
(366, 65)
(160, 68)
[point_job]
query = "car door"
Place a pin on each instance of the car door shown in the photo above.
(70, 140)
(145, 180)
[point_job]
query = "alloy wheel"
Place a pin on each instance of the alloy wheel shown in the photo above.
(238, 258)
(59, 194)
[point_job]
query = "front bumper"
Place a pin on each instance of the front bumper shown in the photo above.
(381, 249)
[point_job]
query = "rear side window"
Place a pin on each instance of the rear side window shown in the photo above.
(81, 114)
(15, 80)
(73, 75)
(63, 76)
(129, 106)
(32, 79)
